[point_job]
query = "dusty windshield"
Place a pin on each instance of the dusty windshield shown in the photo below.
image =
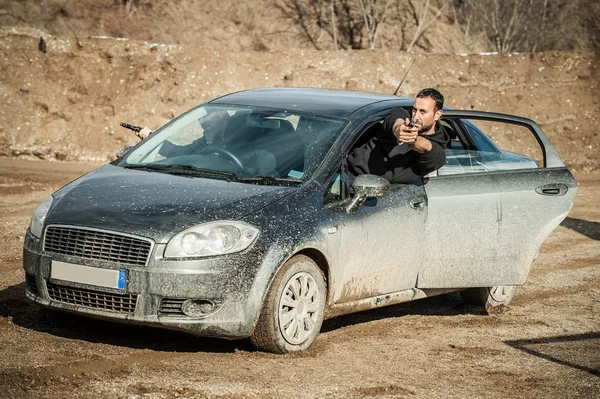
(241, 142)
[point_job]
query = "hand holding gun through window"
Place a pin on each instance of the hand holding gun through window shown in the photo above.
(141, 132)
(406, 131)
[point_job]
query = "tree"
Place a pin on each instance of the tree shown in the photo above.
(423, 20)
(374, 13)
(349, 24)
(318, 18)
(510, 25)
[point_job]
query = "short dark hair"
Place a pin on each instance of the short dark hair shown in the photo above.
(435, 96)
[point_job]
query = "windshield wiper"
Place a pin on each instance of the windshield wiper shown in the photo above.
(144, 166)
(290, 181)
(185, 170)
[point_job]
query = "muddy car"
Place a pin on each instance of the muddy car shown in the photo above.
(236, 219)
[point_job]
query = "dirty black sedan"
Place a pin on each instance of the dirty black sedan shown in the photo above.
(236, 220)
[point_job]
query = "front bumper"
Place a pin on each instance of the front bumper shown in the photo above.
(154, 294)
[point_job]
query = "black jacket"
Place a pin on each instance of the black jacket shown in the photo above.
(383, 156)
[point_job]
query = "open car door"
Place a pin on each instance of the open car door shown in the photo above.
(490, 208)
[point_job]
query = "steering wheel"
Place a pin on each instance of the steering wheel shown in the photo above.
(228, 154)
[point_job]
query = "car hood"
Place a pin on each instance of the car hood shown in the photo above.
(152, 204)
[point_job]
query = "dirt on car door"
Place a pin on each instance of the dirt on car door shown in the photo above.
(484, 228)
(380, 246)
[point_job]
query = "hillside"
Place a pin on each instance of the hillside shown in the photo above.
(66, 104)
(424, 26)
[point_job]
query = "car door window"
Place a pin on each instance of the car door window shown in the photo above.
(339, 187)
(457, 141)
(490, 146)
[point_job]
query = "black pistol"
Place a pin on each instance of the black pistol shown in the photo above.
(131, 127)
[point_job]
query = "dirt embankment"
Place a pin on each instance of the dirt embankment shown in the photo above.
(66, 103)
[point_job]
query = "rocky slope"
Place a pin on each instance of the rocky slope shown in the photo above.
(66, 103)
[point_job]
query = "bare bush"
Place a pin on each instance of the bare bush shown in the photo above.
(530, 25)
(374, 14)
(131, 6)
(359, 24)
(510, 25)
(338, 20)
(423, 19)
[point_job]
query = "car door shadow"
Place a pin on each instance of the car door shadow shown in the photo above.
(443, 305)
(587, 228)
(24, 313)
(576, 351)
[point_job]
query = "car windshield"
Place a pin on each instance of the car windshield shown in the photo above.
(241, 143)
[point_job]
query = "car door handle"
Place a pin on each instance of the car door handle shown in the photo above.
(417, 204)
(552, 189)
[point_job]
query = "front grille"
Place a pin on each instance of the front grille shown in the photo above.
(171, 307)
(122, 303)
(95, 244)
(31, 284)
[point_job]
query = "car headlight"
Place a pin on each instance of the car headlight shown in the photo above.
(36, 225)
(215, 238)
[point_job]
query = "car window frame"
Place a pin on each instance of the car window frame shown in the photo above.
(341, 163)
(550, 157)
(549, 154)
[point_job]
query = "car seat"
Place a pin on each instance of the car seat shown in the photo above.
(287, 147)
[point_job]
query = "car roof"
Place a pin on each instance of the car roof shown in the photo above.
(339, 103)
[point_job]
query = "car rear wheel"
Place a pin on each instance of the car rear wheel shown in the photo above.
(292, 313)
(494, 299)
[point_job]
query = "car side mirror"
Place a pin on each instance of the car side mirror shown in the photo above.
(365, 187)
(124, 151)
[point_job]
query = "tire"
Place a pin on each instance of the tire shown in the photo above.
(493, 299)
(292, 313)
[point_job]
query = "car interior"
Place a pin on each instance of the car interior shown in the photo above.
(469, 150)
(287, 147)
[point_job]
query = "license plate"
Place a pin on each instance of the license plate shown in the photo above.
(88, 275)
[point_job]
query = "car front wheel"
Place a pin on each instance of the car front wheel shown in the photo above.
(292, 313)
(494, 299)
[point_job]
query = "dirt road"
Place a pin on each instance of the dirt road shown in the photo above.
(546, 345)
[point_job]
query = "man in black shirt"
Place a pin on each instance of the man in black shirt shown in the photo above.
(405, 149)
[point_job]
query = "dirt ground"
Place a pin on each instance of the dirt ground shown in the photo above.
(546, 345)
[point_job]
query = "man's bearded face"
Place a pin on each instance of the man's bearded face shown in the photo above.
(424, 114)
